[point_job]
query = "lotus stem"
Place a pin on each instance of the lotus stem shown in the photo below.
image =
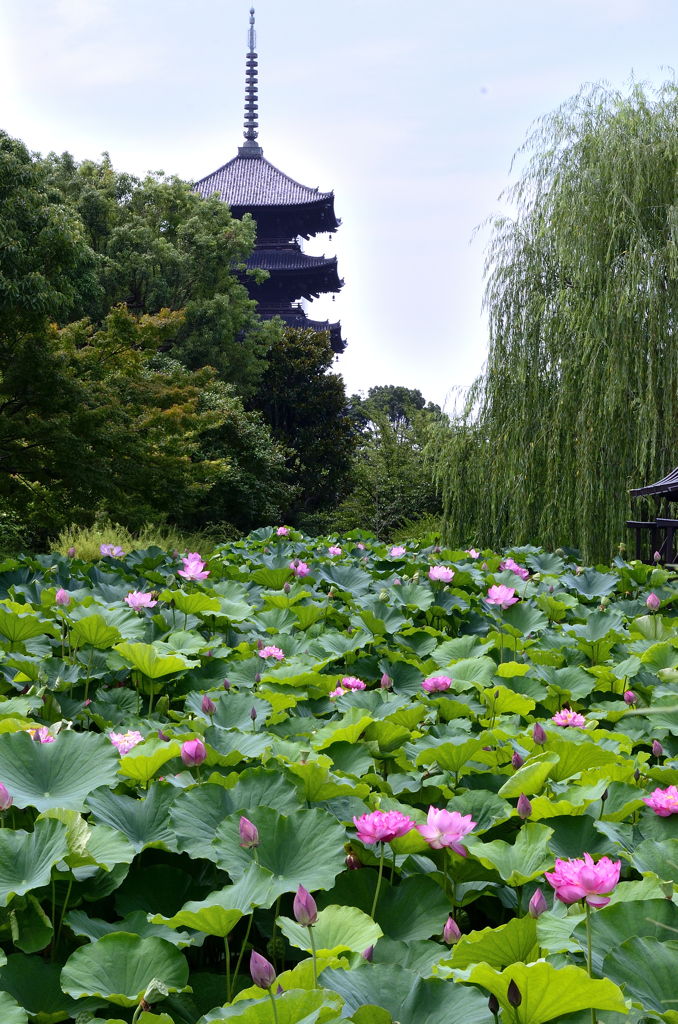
(275, 1008)
(315, 965)
(228, 968)
(588, 943)
(63, 911)
(376, 895)
(242, 950)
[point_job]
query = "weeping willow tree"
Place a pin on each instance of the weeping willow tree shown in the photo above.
(578, 400)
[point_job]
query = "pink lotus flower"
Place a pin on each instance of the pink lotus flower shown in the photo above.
(43, 734)
(653, 602)
(629, 697)
(137, 600)
(351, 683)
(446, 828)
(502, 596)
(575, 880)
(567, 717)
(382, 826)
(397, 551)
(451, 932)
(6, 800)
(436, 684)
(663, 801)
(334, 550)
(194, 567)
(263, 972)
(193, 753)
(282, 531)
(271, 652)
(112, 550)
(473, 553)
(508, 563)
(440, 574)
(361, 547)
(299, 569)
(62, 598)
(124, 741)
(339, 692)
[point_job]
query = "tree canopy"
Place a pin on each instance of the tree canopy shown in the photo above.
(579, 398)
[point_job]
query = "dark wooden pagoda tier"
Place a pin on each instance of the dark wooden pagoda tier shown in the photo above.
(284, 211)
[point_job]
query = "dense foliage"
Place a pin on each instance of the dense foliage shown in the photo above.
(183, 746)
(578, 400)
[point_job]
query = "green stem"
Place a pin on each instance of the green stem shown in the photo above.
(393, 868)
(242, 950)
(376, 895)
(520, 900)
(228, 969)
(136, 1014)
(63, 911)
(275, 1008)
(315, 966)
(150, 700)
(197, 770)
(275, 928)
(588, 943)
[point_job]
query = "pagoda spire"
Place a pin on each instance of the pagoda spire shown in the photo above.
(251, 147)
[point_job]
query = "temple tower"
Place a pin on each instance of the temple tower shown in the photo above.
(284, 211)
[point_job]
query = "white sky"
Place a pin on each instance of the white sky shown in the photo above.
(409, 111)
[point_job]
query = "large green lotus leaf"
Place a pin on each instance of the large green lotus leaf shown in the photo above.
(413, 595)
(182, 642)
(337, 929)
(387, 735)
(191, 604)
(260, 787)
(508, 944)
(223, 909)
(95, 631)
(660, 656)
(546, 992)
(26, 858)
(577, 757)
(31, 928)
(528, 858)
(10, 1011)
(77, 832)
(230, 747)
(468, 672)
(531, 777)
(119, 967)
(525, 618)
(485, 808)
(419, 956)
(461, 647)
(371, 1015)
(415, 909)
(59, 774)
(233, 710)
(316, 782)
(500, 700)
(145, 659)
(591, 583)
(409, 998)
(137, 923)
(21, 626)
(659, 858)
(347, 729)
(653, 826)
(451, 753)
(618, 922)
(296, 1006)
(145, 822)
(571, 680)
(195, 816)
(648, 968)
(344, 577)
(273, 579)
(573, 834)
(34, 984)
(145, 759)
(161, 889)
(305, 848)
(554, 934)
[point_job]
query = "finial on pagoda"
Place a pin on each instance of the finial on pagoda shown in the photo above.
(251, 147)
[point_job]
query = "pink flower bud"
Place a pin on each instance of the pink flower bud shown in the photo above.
(305, 909)
(208, 707)
(517, 761)
(657, 748)
(226, 685)
(249, 833)
(162, 737)
(259, 645)
(657, 556)
(193, 753)
(257, 677)
(368, 954)
(513, 994)
(538, 904)
(6, 800)
(253, 714)
(629, 697)
(653, 602)
(524, 807)
(386, 682)
(451, 933)
(538, 734)
(71, 552)
(63, 598)
(352, 862)
(262, 971)
(286, 588)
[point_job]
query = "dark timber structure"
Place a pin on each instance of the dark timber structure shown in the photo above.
(284, 211)
(665, 489)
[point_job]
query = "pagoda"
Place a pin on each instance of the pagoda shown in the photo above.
(284, 211)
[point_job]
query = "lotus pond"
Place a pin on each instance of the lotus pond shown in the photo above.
(322, 778)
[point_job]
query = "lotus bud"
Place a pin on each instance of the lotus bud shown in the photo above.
(560, 553)
(249, 833)
(653, 602)
(493, 1005)
(193, 753)
(538, 734)
(629, 697)
(6, 800)
(260, 644)
(524, 807)
(330, 595)
(305, 909)
(155, 992)
(208, 707)
(538, 904)
(386, 682)
(162, 737)
(605, 795)
(71, 552)
(350, 631)
(263, 973)
(352, 862)
(451, 933)
(253, 714)
(484, 567)
(551, 588)
(267, 550)
(578, 569)
(636, 774)
(368, 954)
(286, 588)
(226, 685)
(604, 601)
(257, 677)
(657, 748)
(175, 553)
(63, 598)
(517, 761)
(513, 994)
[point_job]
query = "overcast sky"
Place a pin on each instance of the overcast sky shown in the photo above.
(409, 111)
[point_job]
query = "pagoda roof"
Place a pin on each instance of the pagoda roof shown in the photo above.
(289, 258)
(667, 487)
(248, 182)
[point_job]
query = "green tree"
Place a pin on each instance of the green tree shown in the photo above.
(306, 407)
(396, 402)
(579, 399)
